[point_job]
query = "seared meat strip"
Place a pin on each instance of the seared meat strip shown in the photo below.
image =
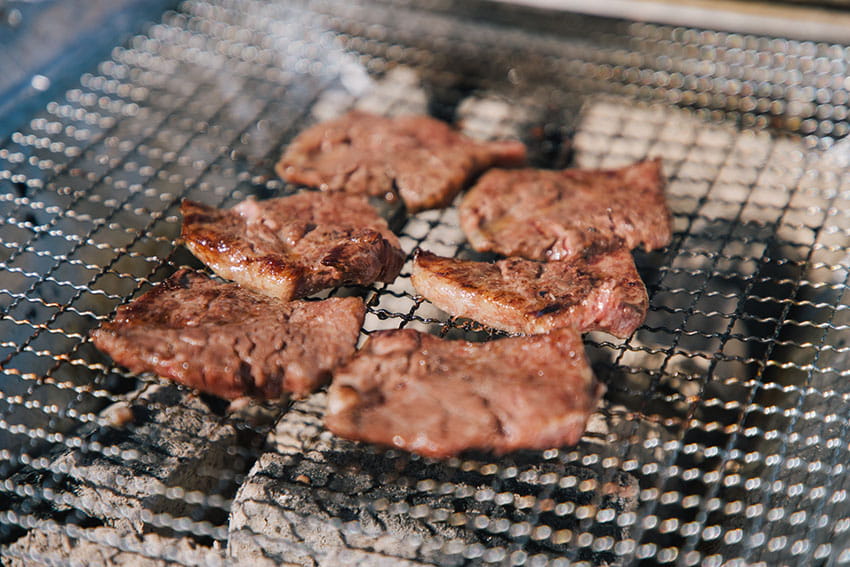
(294, 246)
(225, 340)
(438, 397)
(422, 159)
(602, 292)
(556, 215)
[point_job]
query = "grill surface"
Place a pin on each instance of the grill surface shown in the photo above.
(723, 437)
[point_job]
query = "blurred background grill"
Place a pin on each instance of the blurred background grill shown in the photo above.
(723, 437)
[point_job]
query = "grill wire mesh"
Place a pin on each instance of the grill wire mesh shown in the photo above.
(722, 439)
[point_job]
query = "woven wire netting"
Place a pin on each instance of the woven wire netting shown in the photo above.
(723, 436)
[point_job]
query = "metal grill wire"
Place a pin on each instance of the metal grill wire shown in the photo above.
(722, 439)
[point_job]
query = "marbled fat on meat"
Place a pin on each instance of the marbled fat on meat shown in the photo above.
(602, 292)
(438, 397)
(420, 159)
(225, 340)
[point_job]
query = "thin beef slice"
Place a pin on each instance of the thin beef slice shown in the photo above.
(602, 292)
(423, 160)
(557, 215)
(231, 342)
(291, 247)
(438, 397)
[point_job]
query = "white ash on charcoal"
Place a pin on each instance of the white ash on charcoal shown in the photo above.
(294, 502)
(396, 93)
(162, 450)
(276, 522)
(107, 547)
(313, 499)
(491, 116)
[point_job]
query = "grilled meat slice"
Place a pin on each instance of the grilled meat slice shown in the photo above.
(294, 246)
(602, 292)
(228, 341)
(421, 159)
(438, 397)
(556, 215)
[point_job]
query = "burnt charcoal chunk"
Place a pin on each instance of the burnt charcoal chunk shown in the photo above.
(600, 293)
(557, 215)
(438, 397)
(97, 547)
(291, 247)
(423, 161)
(225, 340)
(288, 508)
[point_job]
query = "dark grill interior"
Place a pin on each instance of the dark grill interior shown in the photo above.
(722, 439)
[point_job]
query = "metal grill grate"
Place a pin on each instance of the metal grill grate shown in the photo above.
(722, 439)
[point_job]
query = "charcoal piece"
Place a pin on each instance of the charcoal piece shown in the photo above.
(315, 499)
(173, 441)
(310, 500)
(107, 547)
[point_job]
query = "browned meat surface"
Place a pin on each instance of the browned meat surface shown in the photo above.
(225, 340)
(420, 159)
(438, 398)
(601, 293)
(556, 215)
(294, 246)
